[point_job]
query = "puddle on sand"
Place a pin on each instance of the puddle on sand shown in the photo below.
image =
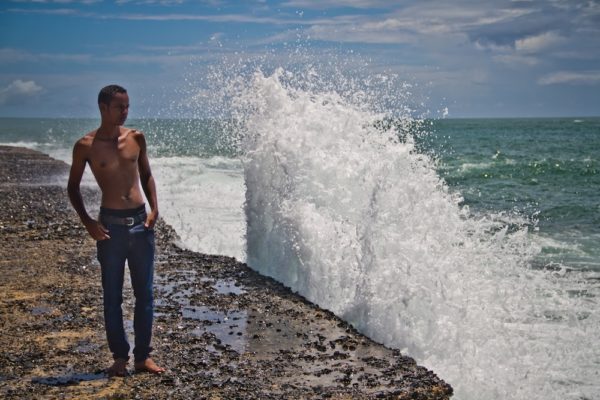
(228, 327)
(179, 288)
(182, 296)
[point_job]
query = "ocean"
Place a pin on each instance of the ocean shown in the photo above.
(473, 245)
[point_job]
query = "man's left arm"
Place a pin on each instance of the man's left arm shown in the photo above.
(147, 181)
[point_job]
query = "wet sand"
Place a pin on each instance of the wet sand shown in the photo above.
(222, 330)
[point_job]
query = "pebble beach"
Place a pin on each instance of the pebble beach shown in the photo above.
(222, 330)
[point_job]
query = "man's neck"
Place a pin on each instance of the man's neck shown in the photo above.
(108, 132)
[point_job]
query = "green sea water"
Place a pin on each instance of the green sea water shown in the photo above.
(545, 170)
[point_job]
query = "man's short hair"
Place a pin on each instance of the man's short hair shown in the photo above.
(108, 92)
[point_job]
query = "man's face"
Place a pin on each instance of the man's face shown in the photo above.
(117, 110)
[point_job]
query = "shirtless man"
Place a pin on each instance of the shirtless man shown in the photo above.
(118, 159)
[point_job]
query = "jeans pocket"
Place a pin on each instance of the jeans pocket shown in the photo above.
(151, 235)
(101, 249)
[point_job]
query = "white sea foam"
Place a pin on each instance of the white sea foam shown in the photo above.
(559, 245)
(476, 166)
(360, 223)
(202, 199)
(28, 145)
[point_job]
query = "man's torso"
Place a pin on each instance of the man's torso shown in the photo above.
(114, 163)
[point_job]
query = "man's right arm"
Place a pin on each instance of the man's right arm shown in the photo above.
(95, 229)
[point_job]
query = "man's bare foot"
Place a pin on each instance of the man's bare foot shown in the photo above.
(148, 366)
(118, 368)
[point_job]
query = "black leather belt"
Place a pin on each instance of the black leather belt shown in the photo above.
(127, 221)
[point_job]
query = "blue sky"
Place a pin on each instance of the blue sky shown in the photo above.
(477, 58)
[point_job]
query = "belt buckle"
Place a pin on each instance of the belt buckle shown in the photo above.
(129, 221)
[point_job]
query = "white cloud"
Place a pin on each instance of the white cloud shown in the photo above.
(323, 4)
(9, 55)
(57, 11)
(527, 51)
(239, 18)
(161, 2)
(18, 91)
(534, 44)
(359, 33)
(516, 60)
(571, 77)
(442, 18)
(397, 24)
(479, 45)
(58, 1)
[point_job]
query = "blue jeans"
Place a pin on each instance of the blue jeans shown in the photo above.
(135, 244)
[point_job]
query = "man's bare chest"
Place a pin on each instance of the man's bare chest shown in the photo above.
(111, 157)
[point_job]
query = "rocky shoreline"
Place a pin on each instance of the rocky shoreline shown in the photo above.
(222, 330)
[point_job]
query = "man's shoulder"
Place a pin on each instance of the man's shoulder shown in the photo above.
(134, 133)
(81, 149)
(86, 140)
